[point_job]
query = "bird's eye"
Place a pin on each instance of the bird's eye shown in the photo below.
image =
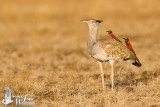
(92, 21)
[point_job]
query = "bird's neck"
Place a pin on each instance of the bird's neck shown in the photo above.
(92, 38)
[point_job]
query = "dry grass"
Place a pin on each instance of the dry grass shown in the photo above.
(43, 52)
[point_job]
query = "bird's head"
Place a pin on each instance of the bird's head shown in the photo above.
(92, 22)
(109, 31)
(126, 39)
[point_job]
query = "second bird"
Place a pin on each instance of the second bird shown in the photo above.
(111, 35)
(128, 44)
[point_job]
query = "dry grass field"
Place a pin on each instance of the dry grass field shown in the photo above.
(43, 52)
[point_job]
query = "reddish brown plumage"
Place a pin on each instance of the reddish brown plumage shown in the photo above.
(128, 44)
(114, 37)
(137, 62)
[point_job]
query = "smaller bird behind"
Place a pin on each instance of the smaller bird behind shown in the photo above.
(112, 36)
(7, 96)
(128, 44)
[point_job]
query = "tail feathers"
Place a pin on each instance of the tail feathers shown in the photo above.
(137, 63)
(134, 62)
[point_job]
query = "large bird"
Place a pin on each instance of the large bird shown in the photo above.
(104, 50)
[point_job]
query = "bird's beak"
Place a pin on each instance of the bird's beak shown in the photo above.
(84, 20)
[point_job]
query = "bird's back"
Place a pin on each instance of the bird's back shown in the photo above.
(115, 49)
(108, 49)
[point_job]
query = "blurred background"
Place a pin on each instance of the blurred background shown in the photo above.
(57, 23)
(39, 38)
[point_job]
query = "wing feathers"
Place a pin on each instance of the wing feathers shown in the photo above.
(115, 49)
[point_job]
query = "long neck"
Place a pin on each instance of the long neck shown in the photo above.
(92, 38)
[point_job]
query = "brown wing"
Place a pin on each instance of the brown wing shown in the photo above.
(115, 49)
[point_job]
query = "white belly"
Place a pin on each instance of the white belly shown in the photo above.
(100, 57)
(104, 58)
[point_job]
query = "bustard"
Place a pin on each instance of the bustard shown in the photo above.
(104, 50)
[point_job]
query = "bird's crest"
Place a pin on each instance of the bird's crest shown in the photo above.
(92, 21)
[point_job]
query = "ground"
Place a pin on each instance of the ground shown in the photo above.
(43, 52)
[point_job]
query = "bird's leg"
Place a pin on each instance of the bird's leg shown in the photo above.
(112, 74)
(112, 77)
(102, 74)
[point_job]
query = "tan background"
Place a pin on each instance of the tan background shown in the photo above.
(43, 51)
